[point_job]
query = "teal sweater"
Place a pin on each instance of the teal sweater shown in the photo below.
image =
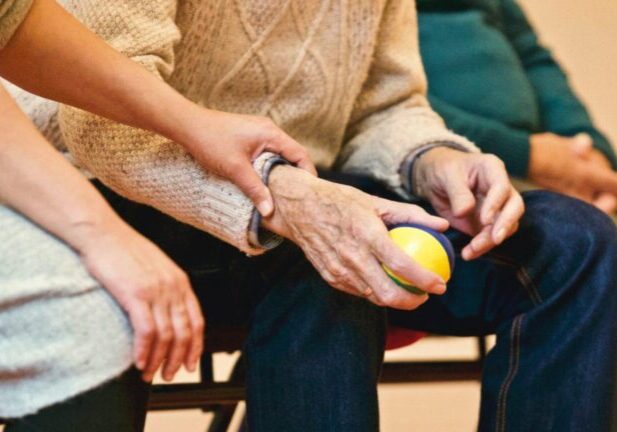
(493, 82)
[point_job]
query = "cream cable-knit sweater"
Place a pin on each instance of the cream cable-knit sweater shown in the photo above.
(12, 13)
(343, 78)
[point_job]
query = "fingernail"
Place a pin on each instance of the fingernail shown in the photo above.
(439, 287)
(501, 235)
(265, 208)
(140, 364)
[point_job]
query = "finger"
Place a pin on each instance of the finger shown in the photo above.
(388, 253)
(462, 200)
(602, 180)
(386, 292)
(392, 212)
(163, 339)
(582, 144)
(293, 152)
(198, 325)
(606, 203)
(496, 197)
(143, 325)
(511, 213)
(180, 345)
(479, 244)
(251, 184)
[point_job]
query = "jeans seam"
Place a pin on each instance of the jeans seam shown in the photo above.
(515, 349)
(523, 277)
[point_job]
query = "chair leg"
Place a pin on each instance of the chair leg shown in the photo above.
(223, 414)
(482, 349)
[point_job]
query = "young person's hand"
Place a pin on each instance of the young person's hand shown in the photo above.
(156, 294)
(473, 192)
(571, 166)
(74, 59)
(227, 144)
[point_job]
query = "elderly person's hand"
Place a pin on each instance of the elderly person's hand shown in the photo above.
(156, 294)
(473, 192)
(343, 233)
(573, 167)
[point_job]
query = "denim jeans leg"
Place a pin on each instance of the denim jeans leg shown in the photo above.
(313, 357)
(561, 350)
(550, 295)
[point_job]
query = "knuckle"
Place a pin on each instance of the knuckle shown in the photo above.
(182, 278)
(183, 337)
(387, 296)
(146, 330)
(165, 335)
(199, 327)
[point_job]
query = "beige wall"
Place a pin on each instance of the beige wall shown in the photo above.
(583, 35)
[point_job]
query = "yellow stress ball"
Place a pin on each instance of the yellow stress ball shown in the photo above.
(429, 248)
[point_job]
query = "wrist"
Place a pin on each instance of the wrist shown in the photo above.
(185, 124)
(425, 163)
(88, 231)
(289, 186)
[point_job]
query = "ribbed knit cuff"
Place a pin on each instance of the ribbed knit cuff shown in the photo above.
(12, 13)
(259, 237)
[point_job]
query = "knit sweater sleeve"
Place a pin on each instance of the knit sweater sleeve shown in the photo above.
(391, 116)
(12, 13)
(562, 111)
(140, 165)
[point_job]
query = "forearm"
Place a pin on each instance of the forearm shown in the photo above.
(51, 54)
(38, 182)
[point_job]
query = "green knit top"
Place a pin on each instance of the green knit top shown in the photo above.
(491, 79)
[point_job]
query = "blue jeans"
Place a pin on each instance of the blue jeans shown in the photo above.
(313, 353)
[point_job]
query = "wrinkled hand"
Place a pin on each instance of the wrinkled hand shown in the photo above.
(571, 166)
(156, 294)
(342, 231)
(227, 144)
(473, 192)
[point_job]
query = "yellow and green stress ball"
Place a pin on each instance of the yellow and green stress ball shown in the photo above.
(429, 248)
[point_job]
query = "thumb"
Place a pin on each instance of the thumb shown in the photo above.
(581, 144)
(251, 185)
(461, 199)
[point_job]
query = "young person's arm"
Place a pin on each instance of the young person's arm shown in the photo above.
(39, 183)
(52, 55)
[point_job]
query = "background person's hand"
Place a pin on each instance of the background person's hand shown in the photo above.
(343, 233)
(582, 146)
(156, 294)
(571, 166)
(473, 192)
(227, 144)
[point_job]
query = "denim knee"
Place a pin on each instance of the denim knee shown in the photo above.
(568, 222)
(563, 236)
